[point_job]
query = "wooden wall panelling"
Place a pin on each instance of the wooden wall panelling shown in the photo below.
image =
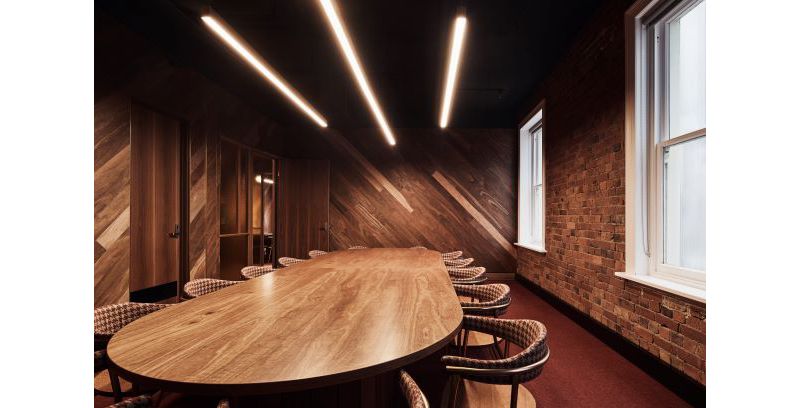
(128, 67)
(474, 210)
(111, 200)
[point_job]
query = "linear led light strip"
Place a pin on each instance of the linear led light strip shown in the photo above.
(229, 36)
(457, 43)
(355, 66)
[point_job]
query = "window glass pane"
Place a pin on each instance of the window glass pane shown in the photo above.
(687, 71)
(685, 204)
(537, 214)
(537, 156)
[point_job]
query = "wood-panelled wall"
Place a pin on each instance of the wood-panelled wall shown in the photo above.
(446, 190)
(128, 68)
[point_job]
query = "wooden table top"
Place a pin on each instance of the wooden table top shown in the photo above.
(340, 317)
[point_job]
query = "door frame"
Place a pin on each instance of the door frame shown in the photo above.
(248, 214)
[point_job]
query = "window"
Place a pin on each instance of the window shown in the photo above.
(666, 144)
(531, 183)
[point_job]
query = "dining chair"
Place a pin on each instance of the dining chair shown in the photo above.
(142, 401)
(473, 380)
(146, 401)
(204, 286)
(483, 300)
(288, 261)
(414, 396)
(452, 255)
(486, 300)
(358, 247)
(315, 253)
(470, 275)
(458, 262)
(108, 320)
(254, 271)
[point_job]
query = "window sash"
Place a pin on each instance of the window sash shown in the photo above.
(655, 75)
(659, 267)
(531, 194)
(537, 194)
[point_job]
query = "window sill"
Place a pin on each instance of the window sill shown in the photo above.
(534, 248)
(675, 288)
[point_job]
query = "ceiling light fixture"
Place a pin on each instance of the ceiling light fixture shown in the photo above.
(241, 47)
(456, 44)
(355, 66)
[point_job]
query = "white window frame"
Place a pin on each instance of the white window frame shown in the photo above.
(645, 121)
(528, 167)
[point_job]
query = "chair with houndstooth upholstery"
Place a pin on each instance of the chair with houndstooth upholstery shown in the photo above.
(471, 275)
(146, 401)
(452, 255)
(315, 253)
(289, 261)
(473, 380)
(108, 320)
(458, 262)
(414, 396)
(484, 300)
(254, 271)
(204, 286)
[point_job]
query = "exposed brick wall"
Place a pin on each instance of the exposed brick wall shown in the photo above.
(585, 203)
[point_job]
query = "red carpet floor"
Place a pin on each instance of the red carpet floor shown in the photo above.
(582, 371)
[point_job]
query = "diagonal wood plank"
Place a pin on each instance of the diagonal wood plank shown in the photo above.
(373, 175)
(467, 205)
(116, 229)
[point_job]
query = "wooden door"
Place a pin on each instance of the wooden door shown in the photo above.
(155, 200)
(303, 198)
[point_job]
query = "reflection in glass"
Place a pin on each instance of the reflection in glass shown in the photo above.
(687, 72)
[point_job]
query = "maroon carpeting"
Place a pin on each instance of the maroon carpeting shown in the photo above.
(582, 371)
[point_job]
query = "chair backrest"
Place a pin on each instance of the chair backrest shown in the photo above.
(287, 261)
(459, 262)
(110, 319)
(412, 392)
(530, 335)
(452, 255)
(465, 272)
(488, 294)
(492, 299)
(315, 253)
(254, 271)
(204, 286)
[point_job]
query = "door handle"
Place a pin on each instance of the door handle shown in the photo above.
(177, 232)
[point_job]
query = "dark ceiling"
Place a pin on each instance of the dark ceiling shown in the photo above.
(510, 47)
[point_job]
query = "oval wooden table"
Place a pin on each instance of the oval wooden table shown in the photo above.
(341, 317)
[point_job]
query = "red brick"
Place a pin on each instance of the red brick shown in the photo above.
(693, 334)
(585, 207)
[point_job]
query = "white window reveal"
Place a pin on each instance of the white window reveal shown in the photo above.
(666, 146)
(531, 183)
